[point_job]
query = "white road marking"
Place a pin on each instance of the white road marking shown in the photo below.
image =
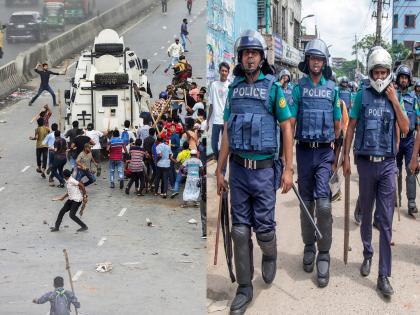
(175, 36)
(2, 188)
(25, 169)
(162, 47)
(102, 241)
(131, 263)
(155, 54)
(77, 275)
(72, 64)
(123, 210)
(169, 41)
(164, 27)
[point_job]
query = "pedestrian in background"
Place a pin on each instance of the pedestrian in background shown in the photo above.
(164, 6)
(184, 33)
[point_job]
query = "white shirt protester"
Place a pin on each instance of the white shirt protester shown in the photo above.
(73, 190)
(217, 98)
(95, 135)
(175, 50)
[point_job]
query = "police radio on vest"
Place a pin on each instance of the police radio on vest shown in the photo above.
(314, 92)
(250, 91)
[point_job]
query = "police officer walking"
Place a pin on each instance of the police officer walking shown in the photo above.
(317, 117)
(345, 92)
(285, 82)
(255, 105)
(376, 116)
(403, 79)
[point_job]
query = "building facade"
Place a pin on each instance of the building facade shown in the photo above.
(406, 30)
(406, 22)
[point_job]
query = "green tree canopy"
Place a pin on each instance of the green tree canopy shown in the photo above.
(398, 52)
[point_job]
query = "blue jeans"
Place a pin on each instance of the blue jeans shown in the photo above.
(82, 173)
(50, 158)
(57, 168)
(178, 181)
(173, 61)
(184, 40)
(216, 130)
(72, 162)
(42, 89)
(112, 166)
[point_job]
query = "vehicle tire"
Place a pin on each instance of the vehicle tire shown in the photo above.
(111, 78)
(109, 48)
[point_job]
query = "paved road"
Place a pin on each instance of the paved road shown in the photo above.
(156, 270)
(296, 292)
(11, 50)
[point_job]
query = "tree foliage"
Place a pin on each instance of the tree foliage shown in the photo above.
(398, 52)
(348, 68)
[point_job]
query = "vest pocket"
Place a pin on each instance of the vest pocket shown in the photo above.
(306, 124)
(256, 132)
(371, 133)
(386, 131)
(328, 124)
(246, 130)
(268, 130)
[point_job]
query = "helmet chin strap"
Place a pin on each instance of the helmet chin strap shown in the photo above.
(250, 73)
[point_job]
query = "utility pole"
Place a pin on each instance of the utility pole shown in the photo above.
(357, 55)
(378, 22)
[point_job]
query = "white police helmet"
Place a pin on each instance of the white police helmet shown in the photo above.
(380, 58)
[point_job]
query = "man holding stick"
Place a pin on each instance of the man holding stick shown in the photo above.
(60, 299)
(376, 116)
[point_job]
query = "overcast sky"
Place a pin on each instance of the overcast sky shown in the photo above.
(339, 20)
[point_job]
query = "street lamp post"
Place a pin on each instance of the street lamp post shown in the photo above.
(300, 27)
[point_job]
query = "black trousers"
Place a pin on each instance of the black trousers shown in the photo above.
(135, 178)
(162, 177)
(72, 206)
(41, 157)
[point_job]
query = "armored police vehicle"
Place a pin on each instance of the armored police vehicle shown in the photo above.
(102, 90)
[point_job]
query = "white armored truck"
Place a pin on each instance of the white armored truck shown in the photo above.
(102, 90)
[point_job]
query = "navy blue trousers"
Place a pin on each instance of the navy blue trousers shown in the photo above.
(252, 197)
(377, 183)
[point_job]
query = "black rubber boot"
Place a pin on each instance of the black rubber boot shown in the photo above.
(309, 254)
(241, 235)
(268, 244)
(323, 269)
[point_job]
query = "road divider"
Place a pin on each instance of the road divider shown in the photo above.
(20, 70)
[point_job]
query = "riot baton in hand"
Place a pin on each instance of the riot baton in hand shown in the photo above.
(219, 218)
(346, 218)
(397, 198)
(227, 238)
(307, 213)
